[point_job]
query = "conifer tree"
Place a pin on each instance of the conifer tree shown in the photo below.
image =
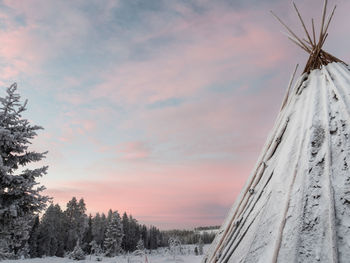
(140, 245)
(33, 238)
(109, 215)
(77, 253)
(134, 233)
(114, 235)
(99, 225)
(126, 241)
(154, 234)
(200, 246)
(87, 238)
(144, 235)
(51, 235)
(76, 222)
(20, 193)
(95, 248)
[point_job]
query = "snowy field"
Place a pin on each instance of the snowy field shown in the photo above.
(160, 256)
(120, 259)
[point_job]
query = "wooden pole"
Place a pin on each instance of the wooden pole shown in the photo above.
(302, 23)
(286, 97)
(323, 18)
(296, 42)
(329, 20)
(313, 30)
(290, 31)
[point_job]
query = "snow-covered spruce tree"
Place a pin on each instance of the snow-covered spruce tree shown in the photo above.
(126, 238)
(200, 246)
(175, 246)
(99, 224)
(140, 245)
(95, 248)
(76, 222)
(131, 232)
(52, 232)
(20, 194)
(87, 237)
(33, 238)
(114, 236)
(77, 253)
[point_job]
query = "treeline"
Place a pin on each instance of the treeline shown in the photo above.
(205, 228)
(59, 232)
(187, 236)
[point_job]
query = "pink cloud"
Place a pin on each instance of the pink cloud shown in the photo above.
(16, 52)
(220, 46)
(134, 150)
(27, 47)
(216, 49)
(75, 128)
(165, 193)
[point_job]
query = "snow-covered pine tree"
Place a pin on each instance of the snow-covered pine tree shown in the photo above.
(134, 233)
(87, 237)
(126, 238)
(33, 238)
(76, 222)
(52, 232)
(99, 224)
(144, 235)
(140, 245)
(175, 246)
(20, 193)
(77, 253)
(154, 235)
(109, 215)
(114, 235)
(196, 251)
(95, 248)
(200, 246)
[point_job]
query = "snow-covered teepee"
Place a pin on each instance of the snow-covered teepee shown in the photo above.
(295, 206)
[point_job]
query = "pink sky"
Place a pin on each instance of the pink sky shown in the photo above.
(158, 109)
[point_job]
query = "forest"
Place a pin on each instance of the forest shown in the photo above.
(59, 232)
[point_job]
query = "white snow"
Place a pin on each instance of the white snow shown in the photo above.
(159, 256)
(119, 259)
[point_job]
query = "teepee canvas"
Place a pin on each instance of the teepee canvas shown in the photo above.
(295, 206)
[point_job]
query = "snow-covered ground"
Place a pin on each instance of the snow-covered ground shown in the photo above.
(160, 256)
(120, 259)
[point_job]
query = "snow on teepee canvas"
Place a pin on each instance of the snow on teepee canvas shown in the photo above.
(295, 206)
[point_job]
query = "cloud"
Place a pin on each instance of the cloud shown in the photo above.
(219, 46)
(134, 150)
(175, 105)
(180, 193)
(157, 108)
